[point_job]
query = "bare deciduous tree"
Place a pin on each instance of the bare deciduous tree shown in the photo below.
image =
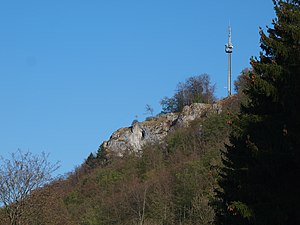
(19, 177)
(149, 110)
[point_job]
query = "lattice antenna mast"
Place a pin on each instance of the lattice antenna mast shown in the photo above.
(228, 50)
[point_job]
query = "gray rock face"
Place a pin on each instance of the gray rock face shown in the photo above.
(155, 130)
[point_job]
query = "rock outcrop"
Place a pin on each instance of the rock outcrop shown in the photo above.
(155, 130)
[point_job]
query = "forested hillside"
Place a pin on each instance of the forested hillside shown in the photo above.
(236, 166)
(169, 183)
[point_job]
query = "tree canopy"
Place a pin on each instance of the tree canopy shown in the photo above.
(196, 89)
(20, 176)
(259, 181)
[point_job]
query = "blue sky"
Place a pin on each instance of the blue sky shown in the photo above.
(74, 71)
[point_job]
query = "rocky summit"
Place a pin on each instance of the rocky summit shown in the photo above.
(154, 130)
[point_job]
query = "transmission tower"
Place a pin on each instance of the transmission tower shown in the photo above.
(228, 50)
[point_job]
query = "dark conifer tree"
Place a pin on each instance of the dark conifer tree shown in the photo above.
(260, 179)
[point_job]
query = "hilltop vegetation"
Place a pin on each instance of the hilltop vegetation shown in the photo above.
(195, 89)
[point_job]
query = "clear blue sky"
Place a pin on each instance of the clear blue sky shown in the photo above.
(74, 71)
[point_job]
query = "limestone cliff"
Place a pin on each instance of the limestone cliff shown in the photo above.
(155, 130)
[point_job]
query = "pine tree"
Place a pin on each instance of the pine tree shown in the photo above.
(259, 182)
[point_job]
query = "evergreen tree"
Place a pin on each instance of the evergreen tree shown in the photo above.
(259, 181)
